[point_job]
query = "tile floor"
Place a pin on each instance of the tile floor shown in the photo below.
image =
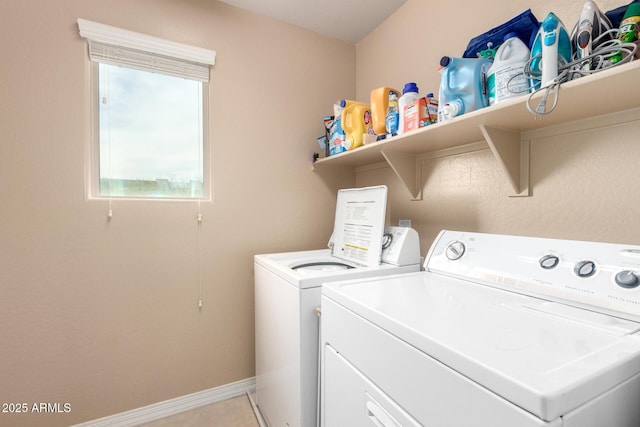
(236, 412)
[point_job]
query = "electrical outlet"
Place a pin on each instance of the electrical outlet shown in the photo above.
(404, 223)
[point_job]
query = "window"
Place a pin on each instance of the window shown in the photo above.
(151, 140)
(150, 115)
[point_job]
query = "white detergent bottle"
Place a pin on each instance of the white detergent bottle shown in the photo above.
(505, 78)
(409, 94)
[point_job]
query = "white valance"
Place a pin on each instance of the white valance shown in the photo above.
(116, 46)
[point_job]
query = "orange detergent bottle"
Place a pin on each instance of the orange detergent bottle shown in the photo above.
(356, 122)
(379, 100)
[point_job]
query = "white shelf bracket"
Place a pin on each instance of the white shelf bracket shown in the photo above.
(512, 154)
(408, 167)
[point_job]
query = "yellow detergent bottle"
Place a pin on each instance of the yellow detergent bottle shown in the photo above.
(379, 100)
(356, 122)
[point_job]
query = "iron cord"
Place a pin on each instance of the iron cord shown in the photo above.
(599, 60)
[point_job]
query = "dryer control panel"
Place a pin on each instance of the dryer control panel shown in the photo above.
(603, 277)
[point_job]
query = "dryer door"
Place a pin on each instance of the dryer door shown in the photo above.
(350, 399)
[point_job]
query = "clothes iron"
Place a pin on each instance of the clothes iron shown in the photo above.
(551, 49)
(591, 30)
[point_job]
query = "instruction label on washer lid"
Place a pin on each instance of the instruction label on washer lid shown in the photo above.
(359, 225)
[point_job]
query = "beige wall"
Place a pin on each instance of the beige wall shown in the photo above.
(585, 184)
(103, 315)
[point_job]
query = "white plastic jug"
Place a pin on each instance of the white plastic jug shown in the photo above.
(409, 94)
(505, 78)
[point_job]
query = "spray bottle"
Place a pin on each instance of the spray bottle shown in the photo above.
(393, 117)
(629, 28)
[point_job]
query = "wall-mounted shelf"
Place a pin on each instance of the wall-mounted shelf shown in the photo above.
(501, 127)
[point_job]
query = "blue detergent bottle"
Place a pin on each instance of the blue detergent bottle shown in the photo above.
(462, 86)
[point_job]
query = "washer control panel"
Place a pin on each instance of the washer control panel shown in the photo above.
(603, 277)
(400, 246)
(549, 261)
(585, 268)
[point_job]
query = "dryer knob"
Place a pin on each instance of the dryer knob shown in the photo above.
(585, 268)
(627, 279)
(454, 250)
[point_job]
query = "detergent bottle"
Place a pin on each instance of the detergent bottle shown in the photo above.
(462, 86)
(356, 122)
(432, 108)
(505, 78)
(409, 94)
(336, 132)
(379, 100)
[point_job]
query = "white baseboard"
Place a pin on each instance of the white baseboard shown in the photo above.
(175, 406)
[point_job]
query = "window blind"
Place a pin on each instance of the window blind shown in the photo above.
(116, 46)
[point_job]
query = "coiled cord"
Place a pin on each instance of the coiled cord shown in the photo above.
(607, 45)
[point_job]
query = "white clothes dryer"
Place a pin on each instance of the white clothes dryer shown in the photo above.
(498, 331)
(287, 297)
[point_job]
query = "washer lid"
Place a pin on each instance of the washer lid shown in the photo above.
(546, 357)
(281, 264)
(359, 225)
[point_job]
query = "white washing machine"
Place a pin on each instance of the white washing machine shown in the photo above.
(498, 331)
(287, 295)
